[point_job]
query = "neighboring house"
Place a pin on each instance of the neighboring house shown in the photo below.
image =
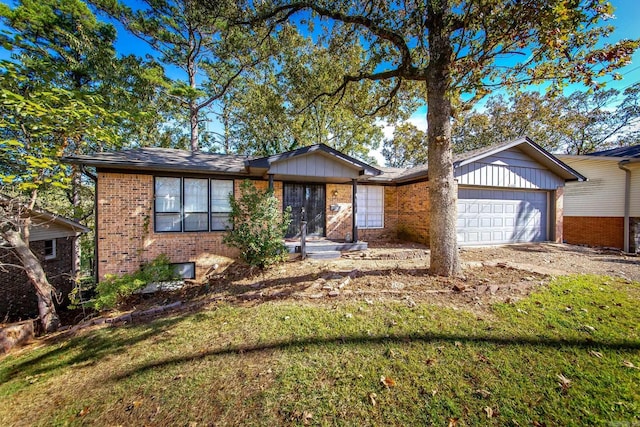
(154, 200)
(51, 240)
(605, 210)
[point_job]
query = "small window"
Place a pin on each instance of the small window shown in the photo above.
(49, 249)
(185, 270)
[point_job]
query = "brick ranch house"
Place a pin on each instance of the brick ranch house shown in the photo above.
(51, 240)
(604, 211)
(152, 201)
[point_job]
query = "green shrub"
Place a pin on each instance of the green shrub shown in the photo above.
(114, 289)
(259, 226)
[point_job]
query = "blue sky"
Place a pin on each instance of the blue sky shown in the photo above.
(626, 22)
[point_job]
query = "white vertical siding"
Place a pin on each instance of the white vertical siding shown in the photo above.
(510, 168)
(315, 165)
(48, 230)
(603, 193)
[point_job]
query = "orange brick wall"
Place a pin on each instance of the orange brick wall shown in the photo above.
(125, 229)
(413, 212)
(339, 222)
(594, 231)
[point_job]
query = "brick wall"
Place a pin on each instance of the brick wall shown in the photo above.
(594, 231)
(18, 298)
(339, 222)
(413, 212)
(126, 237)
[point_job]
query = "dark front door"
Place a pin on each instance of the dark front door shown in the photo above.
(311, 197)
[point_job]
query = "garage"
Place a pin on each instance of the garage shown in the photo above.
(495, 216)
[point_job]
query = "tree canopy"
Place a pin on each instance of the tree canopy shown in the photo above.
(456, 48)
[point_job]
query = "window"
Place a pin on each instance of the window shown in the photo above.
(220, 207)
(370, 207)
(49, 249)
(185, 270)
(192, 204)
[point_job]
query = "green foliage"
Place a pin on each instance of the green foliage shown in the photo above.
(259, 226)
(114, 288)
(580, 123)
(407, 148)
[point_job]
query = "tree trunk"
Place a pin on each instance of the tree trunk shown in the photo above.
(44, 290)
(443, 197)
(76, 183)
(193, 103)
(193, 123)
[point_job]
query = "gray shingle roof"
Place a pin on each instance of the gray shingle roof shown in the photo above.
(629, 152)
(166, 159)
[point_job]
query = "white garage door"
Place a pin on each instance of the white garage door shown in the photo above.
(487, 217)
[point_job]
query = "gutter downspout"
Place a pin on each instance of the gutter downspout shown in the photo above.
(627, 201)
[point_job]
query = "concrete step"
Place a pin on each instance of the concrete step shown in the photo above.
(327, 246)
(324, 255)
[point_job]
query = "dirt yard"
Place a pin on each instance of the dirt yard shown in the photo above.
(399, 272)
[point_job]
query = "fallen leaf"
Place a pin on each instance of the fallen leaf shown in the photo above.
(453, 422)
(628, 364)
(595, 354)
(306, 418)
(564, 382)
(483, 393)
(83, 412)
(430, 362)
(489, 411)
(434, 392)
(387, 381)
(372, 399)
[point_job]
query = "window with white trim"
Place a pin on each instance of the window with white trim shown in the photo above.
(370, 206)
(50, 249)
(192, 204)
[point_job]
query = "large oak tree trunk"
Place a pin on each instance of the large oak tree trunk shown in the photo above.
(443, 197)
(44, 290)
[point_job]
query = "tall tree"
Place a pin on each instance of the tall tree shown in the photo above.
(36, 125)
(61, 44)
(581, 123)
(457, 47)
(406, 148)
(272, 108)
(196, 41)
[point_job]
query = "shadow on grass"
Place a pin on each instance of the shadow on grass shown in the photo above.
(88, 349)
(382, 339)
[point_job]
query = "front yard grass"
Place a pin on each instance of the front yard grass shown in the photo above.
(565, 355)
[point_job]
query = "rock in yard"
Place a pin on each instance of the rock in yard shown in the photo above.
(397, 285)
(334, 293)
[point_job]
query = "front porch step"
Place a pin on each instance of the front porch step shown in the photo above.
(324, 255)
(317, 246)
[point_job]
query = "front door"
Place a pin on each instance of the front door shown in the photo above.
(311, 197)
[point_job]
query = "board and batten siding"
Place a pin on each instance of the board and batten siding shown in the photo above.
(508, 169)
(603, 194)
(313, 166)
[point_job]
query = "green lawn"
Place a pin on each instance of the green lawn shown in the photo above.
(563, 356)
